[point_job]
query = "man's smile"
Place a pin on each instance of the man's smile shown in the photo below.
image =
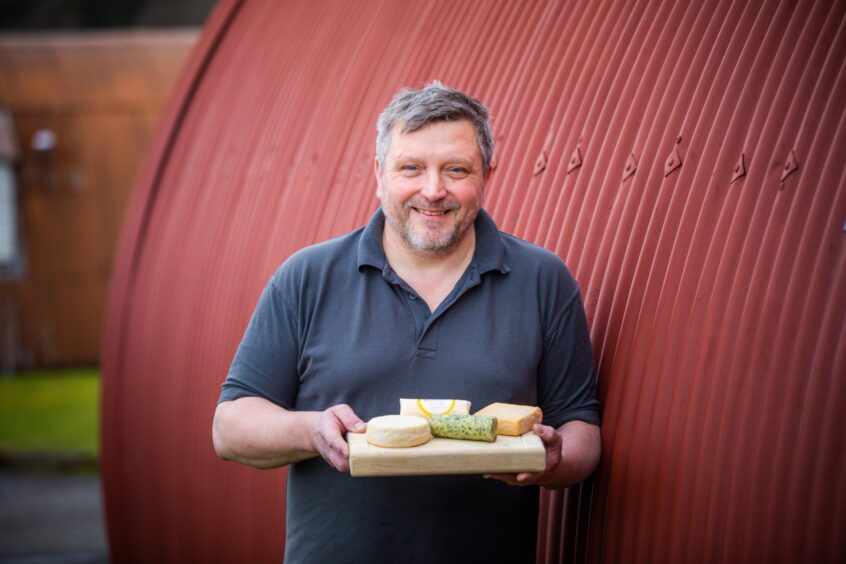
(430, 211)
(431, 214)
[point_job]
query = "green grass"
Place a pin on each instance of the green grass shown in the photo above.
(50, 412)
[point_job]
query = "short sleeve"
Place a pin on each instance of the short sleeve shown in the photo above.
(566, 374)
(265, 364)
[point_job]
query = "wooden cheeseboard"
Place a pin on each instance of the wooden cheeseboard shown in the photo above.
(525, 453)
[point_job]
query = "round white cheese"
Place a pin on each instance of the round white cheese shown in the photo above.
(397, 431)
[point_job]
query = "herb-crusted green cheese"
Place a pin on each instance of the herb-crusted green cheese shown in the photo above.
(469, 427)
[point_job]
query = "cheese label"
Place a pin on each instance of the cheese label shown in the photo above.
(429, 407)
(439, 407)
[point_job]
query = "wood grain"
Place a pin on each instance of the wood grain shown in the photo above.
(525, 453)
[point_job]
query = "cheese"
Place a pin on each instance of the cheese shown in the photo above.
(513, 419)
(469, 427)
(397, 431)
(428, 407)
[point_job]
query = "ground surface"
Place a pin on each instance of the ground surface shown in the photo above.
(50, 518)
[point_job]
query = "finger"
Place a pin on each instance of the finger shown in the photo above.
(547, 434)
(348, 418)
(331, 440)
(339, 462)
(343, 466)
(528, 478)
(335, 452)
(509, 479)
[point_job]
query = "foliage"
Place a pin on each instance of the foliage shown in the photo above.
(50, 412)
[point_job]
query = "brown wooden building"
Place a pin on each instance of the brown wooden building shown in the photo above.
(83, 108)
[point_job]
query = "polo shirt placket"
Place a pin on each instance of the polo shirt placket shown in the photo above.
(488, 253)
(426, 326)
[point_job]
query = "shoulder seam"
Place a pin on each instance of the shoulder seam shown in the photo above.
(556, 319)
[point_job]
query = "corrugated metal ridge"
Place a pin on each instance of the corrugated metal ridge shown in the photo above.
(116, 383)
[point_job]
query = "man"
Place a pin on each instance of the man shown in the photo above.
(429, 300)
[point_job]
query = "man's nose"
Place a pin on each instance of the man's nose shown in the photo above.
(433, 186)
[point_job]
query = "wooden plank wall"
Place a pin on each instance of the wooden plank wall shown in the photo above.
(101, 95)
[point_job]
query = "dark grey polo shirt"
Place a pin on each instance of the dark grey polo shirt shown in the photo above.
(335, 324)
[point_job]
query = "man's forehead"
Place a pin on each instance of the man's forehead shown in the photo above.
(459, 136)
(404, 127)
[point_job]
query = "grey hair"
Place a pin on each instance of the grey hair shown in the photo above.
(415, 109)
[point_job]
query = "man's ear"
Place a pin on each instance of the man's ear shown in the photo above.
(491, 169)
(377, 172)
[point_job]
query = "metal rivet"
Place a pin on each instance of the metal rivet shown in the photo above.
(739, 169)
(790, 166)
(575, 160)
(540, 164)
(631, 166)
(674, 162)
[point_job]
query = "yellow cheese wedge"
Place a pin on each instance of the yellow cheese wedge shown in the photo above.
(512, 419)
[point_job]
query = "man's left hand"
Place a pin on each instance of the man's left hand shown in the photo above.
(582, 443)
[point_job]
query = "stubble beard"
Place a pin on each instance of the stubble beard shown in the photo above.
(431, 242)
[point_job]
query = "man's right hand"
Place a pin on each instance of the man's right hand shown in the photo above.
(329, 439)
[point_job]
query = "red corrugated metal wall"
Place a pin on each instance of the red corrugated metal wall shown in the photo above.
(687, 160)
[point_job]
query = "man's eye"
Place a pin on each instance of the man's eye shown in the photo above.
(409, 168)
(458, 171)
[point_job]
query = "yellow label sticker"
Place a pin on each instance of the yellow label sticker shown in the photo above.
(439, 407)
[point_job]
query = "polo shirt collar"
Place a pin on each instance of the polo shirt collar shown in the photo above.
(490, 251)
(489, 254)
(370, 250)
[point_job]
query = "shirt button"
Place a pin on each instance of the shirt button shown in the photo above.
(411, 296)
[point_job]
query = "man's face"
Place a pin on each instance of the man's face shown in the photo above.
(431, 185)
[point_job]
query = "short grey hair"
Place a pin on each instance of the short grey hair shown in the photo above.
(415, 109)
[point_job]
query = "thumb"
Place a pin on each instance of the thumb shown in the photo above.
(348, 418)
(547, 434)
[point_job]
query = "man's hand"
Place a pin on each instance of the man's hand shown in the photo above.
(329, 440)
(572, 453)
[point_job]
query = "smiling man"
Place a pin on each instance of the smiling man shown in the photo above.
(428, 300)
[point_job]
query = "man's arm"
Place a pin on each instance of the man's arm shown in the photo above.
(572, 453)
(259, 433)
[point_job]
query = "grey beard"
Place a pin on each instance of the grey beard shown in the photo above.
(426, 246)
